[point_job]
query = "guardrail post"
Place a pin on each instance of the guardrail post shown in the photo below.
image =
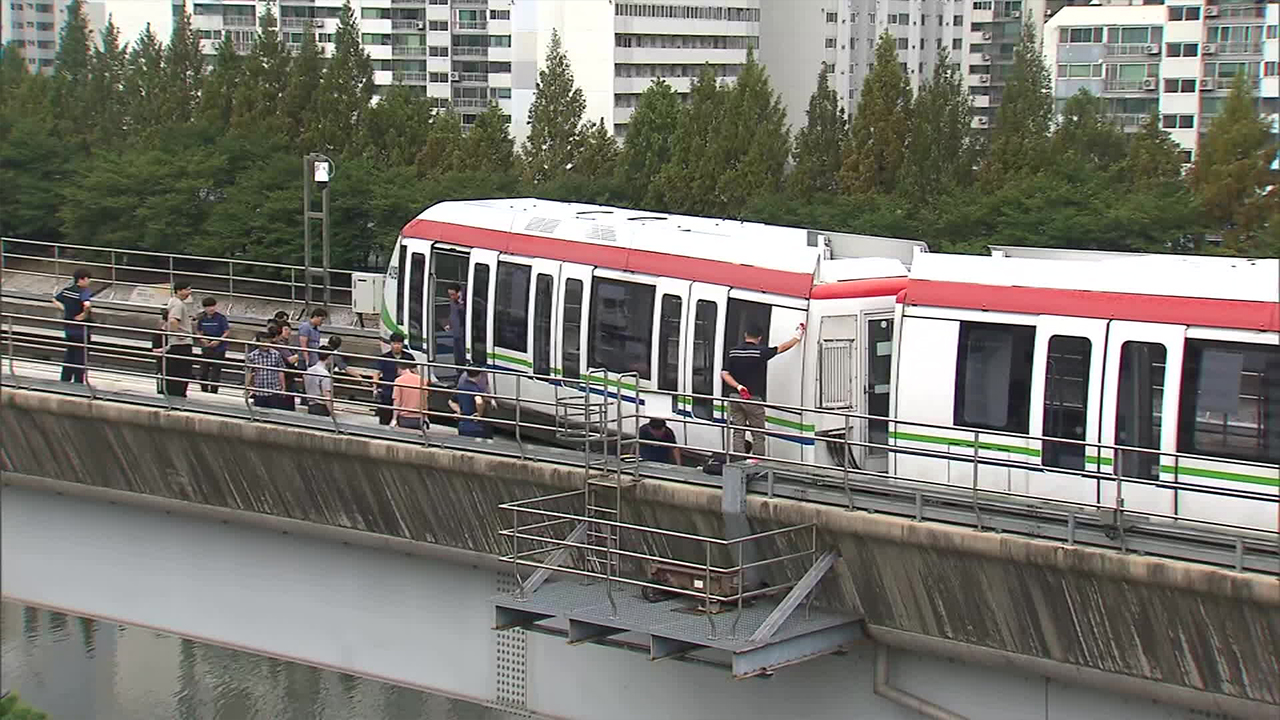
(706, 590)
(515, 552)
(424, 371)
(171, 273)
(519, 438)
(848, 496)
(84, 359)
(57, 260)
(113, 267)
(977, 512)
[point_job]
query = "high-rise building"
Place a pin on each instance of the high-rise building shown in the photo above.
(36, 26)
(618, 48)
(1178, 59)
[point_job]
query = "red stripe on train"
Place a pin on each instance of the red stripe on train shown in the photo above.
(871, 287)
(1203, 312)
(717, 272)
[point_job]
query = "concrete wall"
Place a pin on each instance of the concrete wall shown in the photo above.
(1207, 633)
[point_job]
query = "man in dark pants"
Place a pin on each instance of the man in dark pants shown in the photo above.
(73, 300)
(178, 364)
(457, 326)
(744, 374)
(388, 369)
(213, 329)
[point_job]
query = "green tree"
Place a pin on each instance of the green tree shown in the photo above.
(1019, 142)
(754, 143)
(1233, 176)
(184, 66)
(599, 154)
(878, 133)
(258, 102)
(441, 152)
(11, 708)
(13, 68)
(217, 99)
(1153, 156)
(555, 118)
(687, 183)
(489, 147)
(1086, 137)
(942, 150)
(145, 82)
(106, 88)
(302, 84)
(72, 70)
(397, 127)
(648, 142)
(820, 143)
(346, 88)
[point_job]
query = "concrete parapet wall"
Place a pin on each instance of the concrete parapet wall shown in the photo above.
(1207, 633)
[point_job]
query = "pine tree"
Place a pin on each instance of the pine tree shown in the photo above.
(258, 102)
(106, 91)
(217, 99)
(754, 143)
(1153, 155)
(145, 82)
(71, 71)
(942, 150)
(395, 129)
(555, 118)
(346, 88)
(878, 133)
(441, 151)
(1233, 175)
(647, 145)
(303, 83)
(489, 147)
(13, 68)
(1086, 137)
(687, 183)
(1019, 142)
(820, 143)
(599, 154)
(184, 65)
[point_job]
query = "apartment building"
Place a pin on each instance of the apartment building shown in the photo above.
(35, 26)
(618, 48)
(1178, 59)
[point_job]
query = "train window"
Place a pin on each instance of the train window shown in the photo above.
(1230, 401)
(1066, 400)
(1139, 395)
(704, 358)
(511, 310)
(993, 376)
(742, 316)
(480, 316)
(543, 293)
(621, 326)
(570, 353)
(417, 288)
(669, 343)
(401, 286)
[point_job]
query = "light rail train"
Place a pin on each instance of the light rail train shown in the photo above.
(1030, 367)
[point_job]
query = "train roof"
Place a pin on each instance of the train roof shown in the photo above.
(770, 258)
(1183, 289)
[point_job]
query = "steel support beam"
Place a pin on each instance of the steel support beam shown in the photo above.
(792, 650)
(534, 581)
(794, 598)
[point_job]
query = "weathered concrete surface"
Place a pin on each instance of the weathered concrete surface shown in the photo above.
(1184, 625)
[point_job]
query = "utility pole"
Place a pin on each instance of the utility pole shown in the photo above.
(319, 169)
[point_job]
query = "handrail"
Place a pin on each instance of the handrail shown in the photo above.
(101, 353)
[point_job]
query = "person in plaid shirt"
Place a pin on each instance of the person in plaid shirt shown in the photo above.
(264, 368)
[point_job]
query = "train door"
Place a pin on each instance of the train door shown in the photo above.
(416, 300)
(1066, 403)
(668, 342)
(837, 373)
(480, 286)
(575, 283)
(703, 351)
(512, 300)
(877, 371)
(1140, 410)
(448, 268)
(543, 299)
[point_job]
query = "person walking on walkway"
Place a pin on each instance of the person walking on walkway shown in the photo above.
(213, 329)
(264, 374)
(178, 363)
(744, 374)
(74, 302)
(409, 398)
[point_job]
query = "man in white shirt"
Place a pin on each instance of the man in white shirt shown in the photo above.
(178, 363)
(318, 381)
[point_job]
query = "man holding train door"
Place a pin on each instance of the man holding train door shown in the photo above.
(744, 373)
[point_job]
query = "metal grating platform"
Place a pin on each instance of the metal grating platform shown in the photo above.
(676, 628)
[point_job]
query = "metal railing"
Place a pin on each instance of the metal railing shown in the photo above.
(1239, 47)
(409, 50)
(1226, 12)
(243, 21)
(473, 77)
(408, 25)
(1111, 85)
(471, 25)
(537, 415)
(470, 50)
(1129, 49)
(240, 278)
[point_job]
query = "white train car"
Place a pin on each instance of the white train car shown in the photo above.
(557, 289)
(1013, 358)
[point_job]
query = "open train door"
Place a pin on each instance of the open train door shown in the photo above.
(703, 351)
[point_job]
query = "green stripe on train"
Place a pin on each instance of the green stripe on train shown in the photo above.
(389, 322)
(1089, 459)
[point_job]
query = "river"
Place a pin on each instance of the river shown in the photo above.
(80, 669)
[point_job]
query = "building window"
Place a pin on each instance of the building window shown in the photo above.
(957, 43)
(1066, 400)
(438, 26)
(1134, 35)
(669, 342)
(832, 17)
(1178, 122)
(499, 41)
(1080, 35)
(1270, 68)
(438, 77)
(902, 43)
(1273, 32)
(544, 293)
(982, 4)
(993, 376)
(1079, 70)
(1139, 398)
(957, 21)
(621, 326)
(1184, 12)
(417, 290)
(438, 51)
(1185, 155)
(499, 14)
(704, 358)
(1182, 49)
(570, 342)
(1179, 85)
(512, 305)
(830, 43)
(1230, 401)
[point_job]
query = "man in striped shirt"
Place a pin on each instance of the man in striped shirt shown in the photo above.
(744, 374)
(264, 368)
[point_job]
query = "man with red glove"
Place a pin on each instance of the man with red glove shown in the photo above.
(745, 372)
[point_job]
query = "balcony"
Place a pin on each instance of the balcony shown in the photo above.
(1131, 49)
(408, 51)
(1131, 86)
(1211, 84)
(1129, 121)
(983, 16)
(410, 77)
(242, 46)
(1234, 12)
(243, 21)
(291, 23)
(1238, 48)
(473, 78)
(408, 25)
(469, 51)
(470, 2)
(480, 103)
(408, 2)
(480, 25)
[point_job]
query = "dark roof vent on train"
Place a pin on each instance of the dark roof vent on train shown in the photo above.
(542, 225)
(643, 218)
(604, 233)
(584, 213)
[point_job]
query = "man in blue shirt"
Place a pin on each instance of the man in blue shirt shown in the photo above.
(470, 405)
(309, 336)
(656, 431)
(388, 369)
(212, 329)
(73, 300)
